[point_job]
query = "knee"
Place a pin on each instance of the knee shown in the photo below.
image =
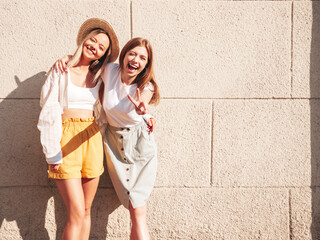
(77, 215)
(87, 211)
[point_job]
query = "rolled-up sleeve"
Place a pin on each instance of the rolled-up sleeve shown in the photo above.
(50, 122)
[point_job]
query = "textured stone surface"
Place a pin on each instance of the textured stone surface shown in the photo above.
(21, 159)
(35, 33)
(218, 49)
(183, 135)
(39, 213)
(301, 207)
(219, 214)
(261, 143)
(306, 49)
(231, 165)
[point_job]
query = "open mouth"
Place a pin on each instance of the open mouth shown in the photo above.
(132, 68)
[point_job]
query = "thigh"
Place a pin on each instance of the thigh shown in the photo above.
(72, 193)
(90, 186)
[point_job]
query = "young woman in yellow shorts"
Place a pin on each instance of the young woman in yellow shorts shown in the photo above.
(70, 136)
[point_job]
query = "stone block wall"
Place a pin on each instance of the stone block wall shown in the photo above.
(238, 125)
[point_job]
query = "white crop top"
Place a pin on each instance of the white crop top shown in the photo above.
(120, 111)
(82, 98)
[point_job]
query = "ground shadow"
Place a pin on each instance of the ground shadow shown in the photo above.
(25, 189)
(315, 119)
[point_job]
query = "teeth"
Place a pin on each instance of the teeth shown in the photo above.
(90, 50)
(133, 66)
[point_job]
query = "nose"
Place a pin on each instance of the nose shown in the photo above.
(135, 59)
(94, 46)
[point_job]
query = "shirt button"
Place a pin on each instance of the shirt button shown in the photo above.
(128, 129)
(128, 192)
(125, 159)
(128, 180)
(127, 169)
(122, 149)
(122, 129)
(121, 137)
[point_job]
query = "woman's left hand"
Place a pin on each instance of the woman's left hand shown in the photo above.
(140, 106)
(151, 123)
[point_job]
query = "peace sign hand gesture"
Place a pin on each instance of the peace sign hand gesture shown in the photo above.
(140, 106)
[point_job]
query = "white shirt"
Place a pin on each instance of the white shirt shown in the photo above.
(120, 111)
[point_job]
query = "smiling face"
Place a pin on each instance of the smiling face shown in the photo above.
(95, 47)
(134, 61)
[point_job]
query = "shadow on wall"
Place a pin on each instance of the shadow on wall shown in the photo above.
(27, 196)
(314, 118)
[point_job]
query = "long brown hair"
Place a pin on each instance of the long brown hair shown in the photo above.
(147, 74)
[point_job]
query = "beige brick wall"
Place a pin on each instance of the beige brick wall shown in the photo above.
(237, 128)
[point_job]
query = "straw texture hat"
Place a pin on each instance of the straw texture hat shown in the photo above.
(94, 23)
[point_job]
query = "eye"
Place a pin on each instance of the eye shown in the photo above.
(93, 39)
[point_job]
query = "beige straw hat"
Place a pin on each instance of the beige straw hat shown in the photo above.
(94, 23)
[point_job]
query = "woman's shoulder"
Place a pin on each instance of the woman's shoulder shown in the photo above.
(112, 65)
(110, 70)
(113, 69)
(149, 86)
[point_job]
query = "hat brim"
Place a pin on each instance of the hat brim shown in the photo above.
(94, 23)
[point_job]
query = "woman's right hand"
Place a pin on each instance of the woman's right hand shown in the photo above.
(61, 64)
(54, 167)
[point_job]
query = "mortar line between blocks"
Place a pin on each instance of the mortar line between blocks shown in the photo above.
(198, 98)
(170, 98)
(211, 145)
(291, 60)
(131, 20)
(178, 187)
(290, 215)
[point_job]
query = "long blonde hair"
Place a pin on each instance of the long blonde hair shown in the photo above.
(147, 74)
(96, 65)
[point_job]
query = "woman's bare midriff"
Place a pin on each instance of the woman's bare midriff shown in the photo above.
(77, 113)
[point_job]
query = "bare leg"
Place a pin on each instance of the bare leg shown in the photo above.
(89, 186)
(72, 194)
(139, 229)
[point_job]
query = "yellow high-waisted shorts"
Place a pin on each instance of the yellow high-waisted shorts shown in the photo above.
(82, 150)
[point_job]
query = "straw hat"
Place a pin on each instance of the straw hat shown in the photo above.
(94, 23)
